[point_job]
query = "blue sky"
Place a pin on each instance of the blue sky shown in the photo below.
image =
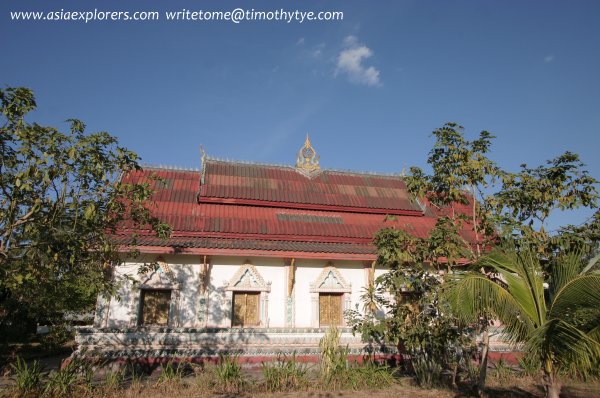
(368, 89)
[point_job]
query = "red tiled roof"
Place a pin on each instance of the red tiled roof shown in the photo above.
(179, 200)
(249, 244)
(228, 182)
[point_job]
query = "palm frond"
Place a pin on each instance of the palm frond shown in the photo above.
(564, 343)
(473, 295)
(595, 333)
(521, 273)
(591, 264)
(566, 267)
(581, 292)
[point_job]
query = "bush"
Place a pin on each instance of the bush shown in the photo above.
(337, 373)
(334, 358)
(428, 372)
(56, 337)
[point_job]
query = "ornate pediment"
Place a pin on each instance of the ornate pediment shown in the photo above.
(161, 277)
(330, 280)
(247, 278)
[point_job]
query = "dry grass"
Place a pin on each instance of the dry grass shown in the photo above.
(202, 384)
(189, 390)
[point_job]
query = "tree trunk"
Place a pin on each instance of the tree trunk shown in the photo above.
(483, 363)
(551, 384)
(454, 373)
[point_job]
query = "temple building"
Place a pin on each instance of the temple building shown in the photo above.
(262, 258)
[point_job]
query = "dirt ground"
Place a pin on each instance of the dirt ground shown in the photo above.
(517, 387)
(524, 391)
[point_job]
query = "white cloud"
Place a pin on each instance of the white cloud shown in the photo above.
(317, 50)
(350, 62)
(549, 58)
(300, 41)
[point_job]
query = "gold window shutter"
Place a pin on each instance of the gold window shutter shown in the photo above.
(330, 309)
(324, 310)
(251, 309)
(245, 309)
(155, 309)
(335, 306)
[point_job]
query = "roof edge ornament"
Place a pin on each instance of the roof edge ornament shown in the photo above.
(203, 159)
(307, 162)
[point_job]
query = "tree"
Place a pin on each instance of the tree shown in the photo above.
(469, 192)
(528, 198)
(416, 321)
(461, 172)
(60, 198)
(544, 320)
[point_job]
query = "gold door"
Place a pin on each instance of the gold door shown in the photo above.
(155, 307)
(330, 309)
(245, 309)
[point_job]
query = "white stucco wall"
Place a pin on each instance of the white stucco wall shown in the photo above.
(185, 269)
(123, 309)
(272, 271)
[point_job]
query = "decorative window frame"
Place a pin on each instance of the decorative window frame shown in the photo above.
(261, 286)
(161, 278)
(317, 287)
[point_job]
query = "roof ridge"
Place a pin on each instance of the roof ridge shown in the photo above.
(286, 166)
(146, 166)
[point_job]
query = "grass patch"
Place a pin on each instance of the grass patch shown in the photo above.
(229, 376)
(28, 378)
(285, 374)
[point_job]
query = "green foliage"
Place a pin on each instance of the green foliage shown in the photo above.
(56, 337)
(416, 321)
(469, 192)
(28, 378)
(461, 173)
(369, 299)
(338, 373)
(357, 377)
(59, 199)
(533, 193)
(543, 319)
(229, 375)
(579, 237)
(285, 374)
(458, 164)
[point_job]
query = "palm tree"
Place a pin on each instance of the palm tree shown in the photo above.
(539, 310)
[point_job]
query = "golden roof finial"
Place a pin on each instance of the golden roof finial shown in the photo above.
(307, 142)
(308, 161)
